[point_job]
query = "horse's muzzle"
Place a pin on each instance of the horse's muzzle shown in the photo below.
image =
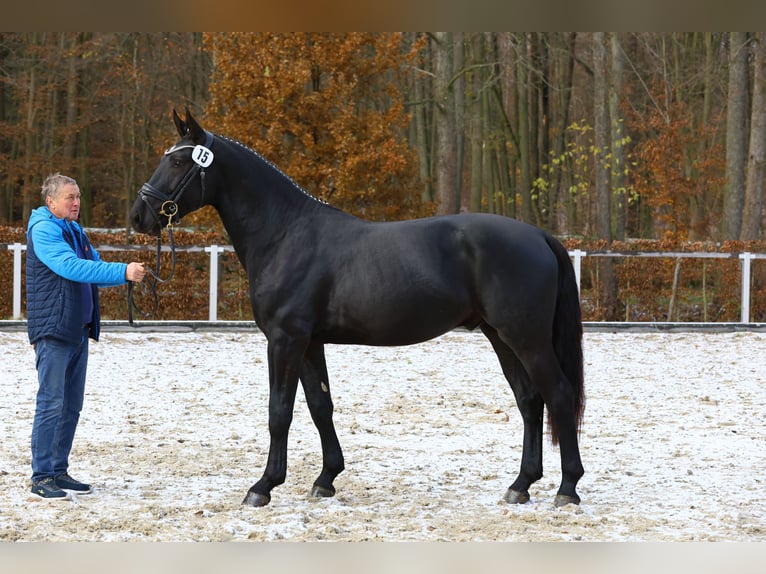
(142, 218)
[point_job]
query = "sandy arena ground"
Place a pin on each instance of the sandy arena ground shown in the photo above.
(174, 432)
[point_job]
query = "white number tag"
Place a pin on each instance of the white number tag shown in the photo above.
(202, 156)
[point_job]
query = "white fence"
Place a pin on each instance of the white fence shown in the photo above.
(213, 250)
(745, 269)
(577, 257)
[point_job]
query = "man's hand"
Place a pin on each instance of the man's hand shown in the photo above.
(135, 272)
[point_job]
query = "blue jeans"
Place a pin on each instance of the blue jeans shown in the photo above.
(61, 368)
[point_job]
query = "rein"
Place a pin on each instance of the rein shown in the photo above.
(202, 157)
(154, 279)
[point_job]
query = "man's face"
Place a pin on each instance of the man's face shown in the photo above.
(66, 205)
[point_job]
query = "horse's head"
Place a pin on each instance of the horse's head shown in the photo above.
(177, 186)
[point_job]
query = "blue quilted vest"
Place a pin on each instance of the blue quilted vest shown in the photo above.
(54, 304)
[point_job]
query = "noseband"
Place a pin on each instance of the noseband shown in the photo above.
(203, 157)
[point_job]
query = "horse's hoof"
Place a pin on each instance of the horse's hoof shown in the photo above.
(516, 497)
(256, 499)
(322, 492)
(563, 500)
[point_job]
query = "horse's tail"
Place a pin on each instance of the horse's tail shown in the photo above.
(567, 332)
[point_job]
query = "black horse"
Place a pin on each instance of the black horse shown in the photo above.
(318, 275)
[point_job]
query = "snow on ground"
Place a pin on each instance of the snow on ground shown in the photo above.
(174, 432)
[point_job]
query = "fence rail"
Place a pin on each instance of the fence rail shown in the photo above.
(577, 257)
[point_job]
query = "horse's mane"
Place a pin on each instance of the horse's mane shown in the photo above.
(274, 167)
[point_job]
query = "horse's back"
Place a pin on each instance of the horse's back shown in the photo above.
(467, 234)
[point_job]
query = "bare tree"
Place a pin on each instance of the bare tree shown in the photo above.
(506, 93)
(445, 152)
(420, 104)
(476, 122)
(736, 118)
(524, 144)
(602, 202)
(617, 162)
(603, 206)
(751, 216)
(563, 59)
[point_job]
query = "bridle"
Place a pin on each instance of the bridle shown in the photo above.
(202, 157)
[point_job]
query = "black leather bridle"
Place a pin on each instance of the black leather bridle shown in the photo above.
(169, 206)
(202, 156)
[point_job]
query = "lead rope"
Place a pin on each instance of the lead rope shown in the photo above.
(153, 280)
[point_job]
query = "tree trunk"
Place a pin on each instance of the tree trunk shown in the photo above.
(421, 128)
(507, 95)
(446, 125)
(486, 156)
(540, 116)
(559, 123)
(751, 218)
(704, 193)
(128, 137)
(617, 172)
(70, 44)
(29, 140)
(522, 102)
(475, 122)
(735, 136)
(603, 218)
(6, 189)
(602, 204)
(458, 92)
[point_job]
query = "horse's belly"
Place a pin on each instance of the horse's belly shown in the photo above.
(401, 324)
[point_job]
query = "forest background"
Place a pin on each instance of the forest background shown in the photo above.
(611, 141)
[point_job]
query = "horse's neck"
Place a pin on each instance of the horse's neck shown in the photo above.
(261, 208)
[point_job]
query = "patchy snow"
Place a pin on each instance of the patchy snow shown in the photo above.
(174, 432)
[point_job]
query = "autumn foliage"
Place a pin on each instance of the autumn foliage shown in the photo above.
(327, 109)
(678, 169)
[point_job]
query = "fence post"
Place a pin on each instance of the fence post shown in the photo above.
(214, 250)
(578, 255)
(17, 248)
(745, 309)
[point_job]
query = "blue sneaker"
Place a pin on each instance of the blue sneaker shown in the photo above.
(66, 482)
(47, 488)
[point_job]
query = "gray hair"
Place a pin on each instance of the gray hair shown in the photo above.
(53, 184)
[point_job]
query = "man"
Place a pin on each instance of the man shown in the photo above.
(63, 276)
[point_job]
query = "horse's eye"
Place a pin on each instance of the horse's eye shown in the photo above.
(177, 162)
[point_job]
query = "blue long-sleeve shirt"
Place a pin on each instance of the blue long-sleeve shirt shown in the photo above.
(47, 234)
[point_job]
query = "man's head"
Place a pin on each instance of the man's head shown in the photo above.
(62, 196)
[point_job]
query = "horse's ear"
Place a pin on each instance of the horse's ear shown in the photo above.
(197, 133)
(180, 124)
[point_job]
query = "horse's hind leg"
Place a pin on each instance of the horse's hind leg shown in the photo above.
(316, 386)
(545, 374)
(530, 405)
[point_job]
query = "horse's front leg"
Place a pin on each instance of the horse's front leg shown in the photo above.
(316, 386)
(285, 355)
